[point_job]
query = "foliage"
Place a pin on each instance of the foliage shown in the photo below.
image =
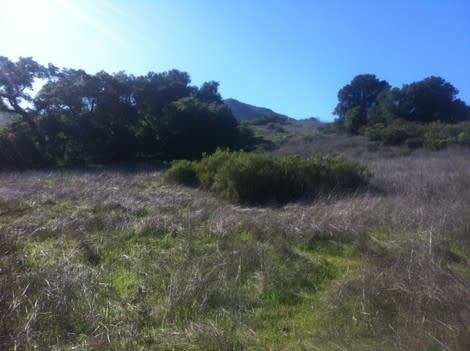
(434, 135)
(366, 102)
(354, 119)
(18, 149)
(191, 127)
(356, 98)
(255, 178)
(184, 172)
(78, 118)
(431, 99)
(16, 84)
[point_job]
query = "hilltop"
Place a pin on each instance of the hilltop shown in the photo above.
(247, 112)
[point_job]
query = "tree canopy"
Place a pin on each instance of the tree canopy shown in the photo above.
(356, 98)
(367, 101)
(78, 118)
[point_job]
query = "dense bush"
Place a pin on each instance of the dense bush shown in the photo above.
(255, 178)
(184, 172)
(434, 135)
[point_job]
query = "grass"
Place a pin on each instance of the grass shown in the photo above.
(120, 259)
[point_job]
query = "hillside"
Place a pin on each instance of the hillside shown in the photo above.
(246, 112)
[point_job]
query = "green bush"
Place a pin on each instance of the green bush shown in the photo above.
(464, 138)
(184, 172)
(255, 178)
(395, 136)
(435, 135)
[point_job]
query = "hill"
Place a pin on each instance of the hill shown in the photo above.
(246, 112)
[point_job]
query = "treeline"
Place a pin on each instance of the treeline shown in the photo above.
(80, 118)
(423, 113)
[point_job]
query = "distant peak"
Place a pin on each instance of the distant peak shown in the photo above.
(246, 112)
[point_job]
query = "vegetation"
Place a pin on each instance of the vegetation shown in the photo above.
(256, 178)
(116, 258)
(395, 116)
(356, 98)
(78, 118)
(135, 257)
(434, 135)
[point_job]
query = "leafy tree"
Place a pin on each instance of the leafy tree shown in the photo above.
(355, 118)
(88, 118)
(72, 93)
(81, 118)
(153, 93)
(16, 83)
(361, 91)
(360, 94)
(209, 92)
(191, 127)
(428, 100)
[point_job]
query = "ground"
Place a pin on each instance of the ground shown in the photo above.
(117, 258)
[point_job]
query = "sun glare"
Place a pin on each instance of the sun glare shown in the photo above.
(29, 18)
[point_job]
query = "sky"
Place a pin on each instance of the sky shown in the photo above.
(290, 56)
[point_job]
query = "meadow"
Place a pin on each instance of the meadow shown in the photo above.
(118, 258)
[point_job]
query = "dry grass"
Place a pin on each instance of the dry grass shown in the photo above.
(411, 227)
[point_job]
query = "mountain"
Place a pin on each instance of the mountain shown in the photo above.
(246, 112)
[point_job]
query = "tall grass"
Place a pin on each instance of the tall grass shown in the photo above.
(119, 259)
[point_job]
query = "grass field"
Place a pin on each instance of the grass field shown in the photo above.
(117, 258)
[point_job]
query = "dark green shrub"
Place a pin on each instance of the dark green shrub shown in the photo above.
(395, 135)
(375, 132)
(255, 178)
(247, 177)
(414, 143)
(184, 172)
(209, 166)
(439, 135)
(464, 138)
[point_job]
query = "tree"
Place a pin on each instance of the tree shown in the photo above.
(153, 93)
(209, 92)
(360, 94)
(89, 117)
(355, 118)
(192, 127)
(16, 83)
(428, 100)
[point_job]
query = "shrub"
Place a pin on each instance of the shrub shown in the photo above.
(184, 172)
(434, 135)
(464, 138)
(395, 136)
(255, 178)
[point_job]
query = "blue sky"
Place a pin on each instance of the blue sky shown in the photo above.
(291, 56)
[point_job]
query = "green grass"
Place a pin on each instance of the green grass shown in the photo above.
(279, 298)
(195, 290)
